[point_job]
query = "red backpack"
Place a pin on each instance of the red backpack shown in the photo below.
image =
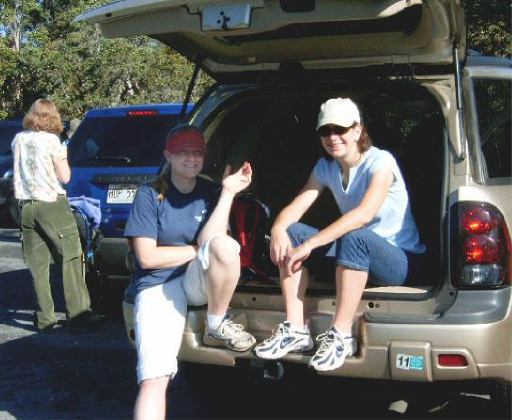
(249, 221)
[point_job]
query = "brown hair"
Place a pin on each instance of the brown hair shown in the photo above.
(161, 183)
(365, 141)
(43, 116)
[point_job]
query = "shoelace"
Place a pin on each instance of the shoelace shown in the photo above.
(327, 339)
(237, 329)
(278, 332)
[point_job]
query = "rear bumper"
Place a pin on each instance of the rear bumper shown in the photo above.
(486, 347)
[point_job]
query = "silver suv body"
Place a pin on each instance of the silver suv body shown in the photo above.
(445, 116)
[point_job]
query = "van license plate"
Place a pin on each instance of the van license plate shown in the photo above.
(121, 193)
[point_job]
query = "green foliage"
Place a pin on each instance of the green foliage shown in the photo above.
(488, 25)
(43, 53)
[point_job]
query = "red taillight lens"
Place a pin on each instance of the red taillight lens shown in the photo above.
(141, 113)
(452, 360)
(482, 249)
(479, 220)
(484, 257)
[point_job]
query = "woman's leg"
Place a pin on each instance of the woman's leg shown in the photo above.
(350, 286)
(37, 258)
(159, 316)
(151, 400)
(363, 255)
(294, 291)
(222, 274)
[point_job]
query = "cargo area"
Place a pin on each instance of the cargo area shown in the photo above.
(275, 132)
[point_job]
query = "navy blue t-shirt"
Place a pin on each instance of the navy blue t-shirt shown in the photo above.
(175, 220)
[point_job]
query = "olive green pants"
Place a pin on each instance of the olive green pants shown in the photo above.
(49, 229)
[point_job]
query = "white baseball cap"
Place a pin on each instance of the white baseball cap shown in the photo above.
(338, 111)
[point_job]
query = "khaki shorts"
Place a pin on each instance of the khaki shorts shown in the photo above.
(160, 315)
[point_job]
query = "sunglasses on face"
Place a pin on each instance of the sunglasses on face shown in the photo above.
(326, 130)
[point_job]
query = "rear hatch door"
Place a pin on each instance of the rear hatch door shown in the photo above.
(255, 36)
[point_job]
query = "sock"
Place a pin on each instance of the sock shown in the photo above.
(342, 334)
(294, 327)
(214, 321)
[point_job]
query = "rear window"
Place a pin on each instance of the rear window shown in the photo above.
(120, 141)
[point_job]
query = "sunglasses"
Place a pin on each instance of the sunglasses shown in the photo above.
(325, 130)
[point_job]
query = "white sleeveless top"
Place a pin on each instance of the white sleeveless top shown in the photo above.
(394, 221)
(34, 173)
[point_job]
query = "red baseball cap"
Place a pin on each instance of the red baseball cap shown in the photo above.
(188, 137)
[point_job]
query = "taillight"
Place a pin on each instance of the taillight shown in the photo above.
(483, 246)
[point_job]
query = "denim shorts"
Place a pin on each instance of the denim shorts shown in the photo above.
(360, 249)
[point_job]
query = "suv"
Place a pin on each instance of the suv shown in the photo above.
(440, 111)
(8, 204)
(112, 152)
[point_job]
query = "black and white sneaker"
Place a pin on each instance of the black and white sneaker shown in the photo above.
(333, 350)
(284, 340)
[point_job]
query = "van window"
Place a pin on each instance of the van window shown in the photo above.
(494, 108)
(120, 141)
(6, 137)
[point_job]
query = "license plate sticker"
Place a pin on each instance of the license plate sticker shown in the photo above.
(121, 193)
(408, 362)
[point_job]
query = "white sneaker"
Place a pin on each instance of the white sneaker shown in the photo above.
(333, 350)
(284, 340)
(229, 335)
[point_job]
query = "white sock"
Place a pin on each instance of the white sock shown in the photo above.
(294, 327)
(342, 334)
(214, 321)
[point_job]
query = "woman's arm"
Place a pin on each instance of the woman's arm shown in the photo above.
(231, 185)
(354, 219)
(62, 169)
(152, 257)
(280, 243)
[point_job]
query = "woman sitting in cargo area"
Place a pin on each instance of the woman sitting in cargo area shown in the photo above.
(375, 239)
(184, 256)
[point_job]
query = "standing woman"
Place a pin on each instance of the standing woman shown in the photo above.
(375, 239)
(184, 257)
(48, 226)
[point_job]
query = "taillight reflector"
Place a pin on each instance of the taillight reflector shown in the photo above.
(452, 360)
(482, 249)
(479, 220)
(141, 113)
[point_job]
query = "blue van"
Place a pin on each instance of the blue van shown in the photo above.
(112, 152)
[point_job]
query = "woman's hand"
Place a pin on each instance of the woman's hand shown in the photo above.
(234, 183)
(295, 258)
(280, 245)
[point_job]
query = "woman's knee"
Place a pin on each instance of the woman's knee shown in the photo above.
(300, 233)
(224, 249)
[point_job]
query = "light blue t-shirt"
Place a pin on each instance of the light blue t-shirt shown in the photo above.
(393, 221)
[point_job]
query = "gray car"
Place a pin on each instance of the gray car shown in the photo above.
(441, 111)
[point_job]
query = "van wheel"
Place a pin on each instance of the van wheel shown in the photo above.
(13, 210)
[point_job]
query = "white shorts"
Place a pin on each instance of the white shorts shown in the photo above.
(160, 316)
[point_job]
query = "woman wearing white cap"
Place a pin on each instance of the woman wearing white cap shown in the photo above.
(375, 239)
(178, 225)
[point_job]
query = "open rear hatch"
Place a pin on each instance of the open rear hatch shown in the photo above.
(251, 37)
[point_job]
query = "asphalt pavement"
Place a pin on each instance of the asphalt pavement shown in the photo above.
(79, 374)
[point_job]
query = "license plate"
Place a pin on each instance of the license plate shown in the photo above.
(121, 193)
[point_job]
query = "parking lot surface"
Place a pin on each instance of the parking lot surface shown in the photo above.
(77, 374)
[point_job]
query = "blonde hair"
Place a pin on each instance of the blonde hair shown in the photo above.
(43, 116)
